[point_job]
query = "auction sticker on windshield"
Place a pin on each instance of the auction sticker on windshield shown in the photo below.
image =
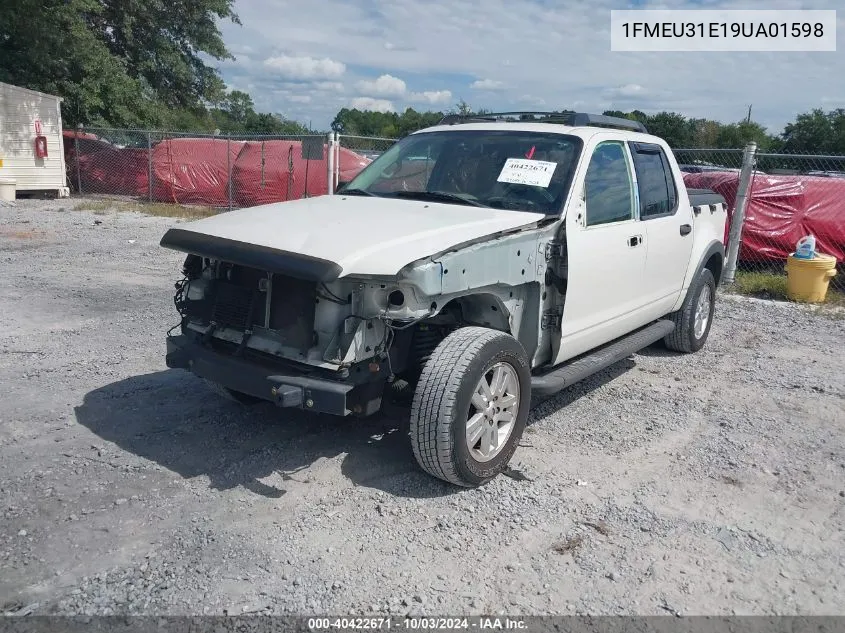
(524, 171)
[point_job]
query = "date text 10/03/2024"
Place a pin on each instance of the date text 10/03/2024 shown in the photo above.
(417, 624)
(670, 30)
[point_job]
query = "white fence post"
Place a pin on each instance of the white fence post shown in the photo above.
(330, 177)
(337, 160)
(743, 191)
(229, 167)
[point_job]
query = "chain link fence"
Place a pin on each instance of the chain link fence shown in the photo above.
(216, 170)
(370, 147)
(788, 196)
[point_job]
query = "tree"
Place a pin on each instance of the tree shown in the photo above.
(816, 131)
(162, 43)
(116, 62)
(704, 132)
(672, 127)
(737, 135)
(46, 45)
(463, 108)
(237, 106)
(411, 121)
(236, 113)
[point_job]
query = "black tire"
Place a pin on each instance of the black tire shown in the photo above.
(231, 394)
(683, 338)
(443, 397)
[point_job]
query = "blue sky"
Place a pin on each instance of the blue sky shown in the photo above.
(307, 63)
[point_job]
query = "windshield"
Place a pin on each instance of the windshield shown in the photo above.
(502, 169)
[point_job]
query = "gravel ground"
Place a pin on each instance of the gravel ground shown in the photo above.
(704, 484)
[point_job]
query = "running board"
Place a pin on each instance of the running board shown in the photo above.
(593, 362)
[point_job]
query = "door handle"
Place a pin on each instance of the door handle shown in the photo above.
(686, 229)
(635, 240)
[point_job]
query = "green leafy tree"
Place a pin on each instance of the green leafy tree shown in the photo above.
(236, 108)
(737, 135)
(705, 133)
(672, 127)
(162, 43)
(47, 45)
(463, 108)
(116, 62)
(816, 131)
(235, 113)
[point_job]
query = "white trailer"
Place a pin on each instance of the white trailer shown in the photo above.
(32, 157)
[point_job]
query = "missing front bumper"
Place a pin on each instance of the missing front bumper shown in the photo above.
(285, 390)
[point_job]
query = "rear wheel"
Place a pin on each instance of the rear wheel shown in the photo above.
(470, 406)
(693, 320)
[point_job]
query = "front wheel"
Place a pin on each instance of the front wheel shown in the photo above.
(470, 406)
(693, 320)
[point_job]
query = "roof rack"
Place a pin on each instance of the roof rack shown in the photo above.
(574, 119)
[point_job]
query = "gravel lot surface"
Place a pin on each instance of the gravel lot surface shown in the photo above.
(711, 483)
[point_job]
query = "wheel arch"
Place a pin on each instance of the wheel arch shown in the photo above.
(514, 310)
(713, 258)
(484, 309)
(715, 263)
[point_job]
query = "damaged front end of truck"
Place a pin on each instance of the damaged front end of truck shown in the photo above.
(264, 324)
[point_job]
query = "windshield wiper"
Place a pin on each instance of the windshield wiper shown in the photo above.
(440, 196)
(357, 192)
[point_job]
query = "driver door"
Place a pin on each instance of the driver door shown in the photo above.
(606, 254)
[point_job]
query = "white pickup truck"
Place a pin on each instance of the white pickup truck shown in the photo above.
(472, 265)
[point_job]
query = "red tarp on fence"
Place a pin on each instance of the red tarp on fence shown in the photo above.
(195, 170)
(105, 168)
(781, 210)
(270, 171)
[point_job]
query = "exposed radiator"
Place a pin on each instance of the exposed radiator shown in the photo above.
(232, 305)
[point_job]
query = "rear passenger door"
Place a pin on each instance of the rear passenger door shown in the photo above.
(666, 222)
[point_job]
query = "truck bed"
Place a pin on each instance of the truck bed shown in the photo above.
(704, 197)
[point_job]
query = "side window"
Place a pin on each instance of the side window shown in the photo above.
(608, 185)
(658, 195)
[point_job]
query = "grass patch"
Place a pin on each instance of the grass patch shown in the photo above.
(99, 207)
(163, 210)
(158, 209)
(768, 285)
(763, 285)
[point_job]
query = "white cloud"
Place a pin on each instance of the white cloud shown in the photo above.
(531, 100)
(300, 98)
(384, 86)
(432, 97)
(569, 62)
(377, 105)
(305, 67)
(329, 86)
(628, 90)
(486, 84)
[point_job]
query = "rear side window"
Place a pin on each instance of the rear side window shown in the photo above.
(658, 195)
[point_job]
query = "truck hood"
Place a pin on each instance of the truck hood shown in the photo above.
(327, 237)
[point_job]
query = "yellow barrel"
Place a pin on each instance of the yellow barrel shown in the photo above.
(807, 279)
